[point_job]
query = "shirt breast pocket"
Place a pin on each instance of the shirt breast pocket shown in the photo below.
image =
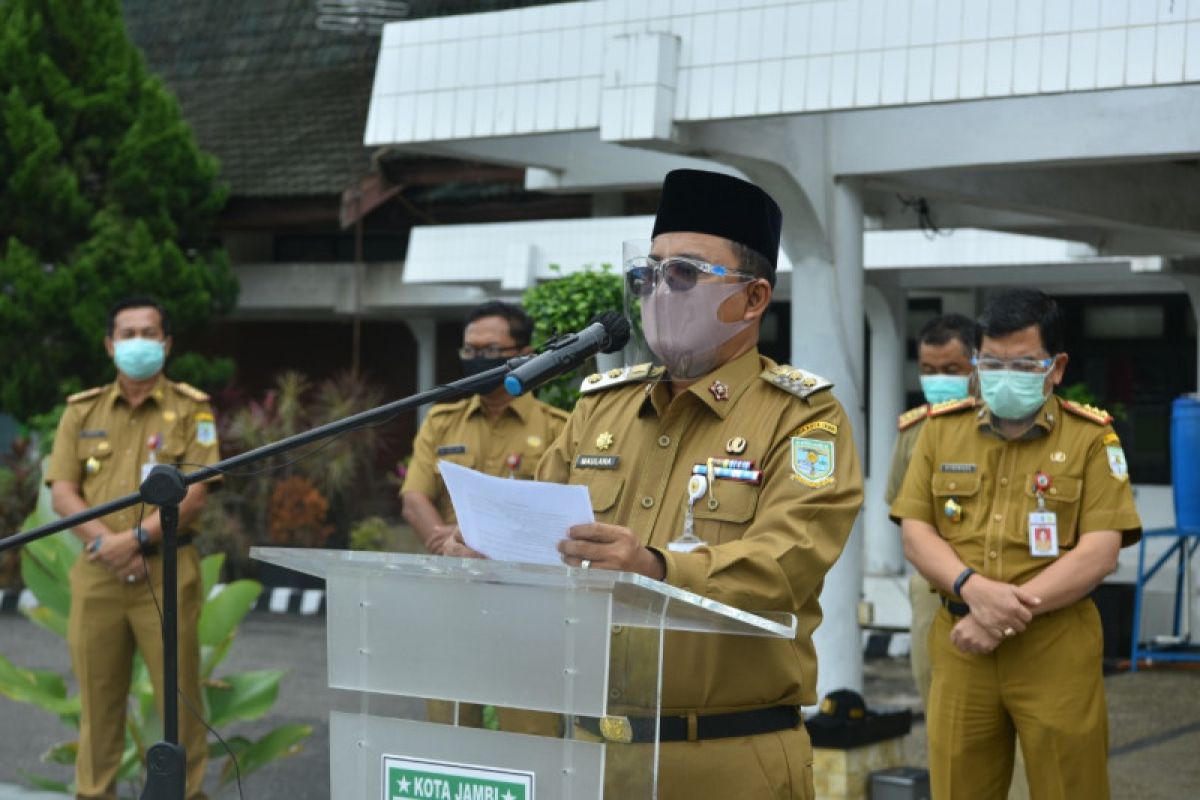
(724, 515)
(957, 504)
(94, 458)
(604, 491)
(1063, 498)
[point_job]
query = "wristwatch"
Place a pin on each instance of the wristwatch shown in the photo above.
(143, 538)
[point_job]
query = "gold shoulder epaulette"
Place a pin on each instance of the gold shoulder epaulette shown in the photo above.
(191, 392)
(795, 380)
(951, 406)
(447, 407)
(86, 394)
(618, 376)
(912, 417)
(1088, 412)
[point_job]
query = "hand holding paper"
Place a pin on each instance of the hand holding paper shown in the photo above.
(510, 520)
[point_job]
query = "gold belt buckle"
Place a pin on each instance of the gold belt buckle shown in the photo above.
(616, 729)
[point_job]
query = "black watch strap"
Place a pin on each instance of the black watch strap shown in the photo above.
(961, 579)
(143, 538)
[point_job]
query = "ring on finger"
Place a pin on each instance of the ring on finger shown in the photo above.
(130, 578)
(586, 563)
(1009, 632)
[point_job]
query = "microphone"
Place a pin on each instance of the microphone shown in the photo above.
(607, 333)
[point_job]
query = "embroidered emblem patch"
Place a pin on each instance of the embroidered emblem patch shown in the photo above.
(604, 441)
(812, 461)
(1116, 462)
(719, 391)
(206, 429)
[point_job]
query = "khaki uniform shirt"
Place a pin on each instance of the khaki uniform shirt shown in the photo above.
(768, 545)
(959, 456)
(102, 442)
(461, 432)
(911, 423)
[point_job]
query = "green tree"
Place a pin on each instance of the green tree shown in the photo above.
(105, 194)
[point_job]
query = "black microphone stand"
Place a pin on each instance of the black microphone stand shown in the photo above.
(165, 487)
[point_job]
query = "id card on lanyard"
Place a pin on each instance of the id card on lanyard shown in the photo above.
(1043, 524)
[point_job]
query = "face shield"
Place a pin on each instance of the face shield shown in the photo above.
(681, 309)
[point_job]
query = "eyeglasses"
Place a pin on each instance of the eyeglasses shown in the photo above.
(491, 351)
(681, 273)
(989, 364)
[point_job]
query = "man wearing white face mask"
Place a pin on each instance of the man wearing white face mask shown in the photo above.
(107, 441)
(1014, 510)
(720, 472)
(945, 345)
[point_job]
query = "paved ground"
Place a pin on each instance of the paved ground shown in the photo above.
(1155, 716)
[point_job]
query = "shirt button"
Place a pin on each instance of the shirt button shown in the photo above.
(1053, 490)
(992, 554)
(951, 485)
(614, 693)
(647, 502)
(664, 441)
(617, 629)
(997, 517)
(1004, 481)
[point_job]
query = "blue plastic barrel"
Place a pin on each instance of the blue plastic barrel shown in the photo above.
(1185, 461)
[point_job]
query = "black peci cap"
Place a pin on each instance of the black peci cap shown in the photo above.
(696, 201)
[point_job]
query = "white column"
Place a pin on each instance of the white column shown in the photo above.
(424, 330)
(827, 338)
(886, 315)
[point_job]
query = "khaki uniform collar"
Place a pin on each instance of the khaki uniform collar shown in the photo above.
(157, 394)
(1043, 422)
(736, 376)
(521, 406)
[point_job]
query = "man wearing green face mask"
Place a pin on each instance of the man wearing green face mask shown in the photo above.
(1014, 510)
(107, 441)
(945, 345)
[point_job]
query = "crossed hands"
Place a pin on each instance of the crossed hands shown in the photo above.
(998, 611)
(120, 553)
(601, 546)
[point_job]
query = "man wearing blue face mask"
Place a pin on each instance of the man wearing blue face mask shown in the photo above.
(107, 441)
(1014, 510)
(945, 346)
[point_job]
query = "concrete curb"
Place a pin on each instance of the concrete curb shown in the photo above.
(274, 599)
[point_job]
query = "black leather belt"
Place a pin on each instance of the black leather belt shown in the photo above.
(954, 607)
(182, 541)
(710, 726)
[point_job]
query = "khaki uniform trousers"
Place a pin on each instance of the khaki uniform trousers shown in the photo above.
(108, 620)
(925, 605)
(770, 766)
(1045, 686)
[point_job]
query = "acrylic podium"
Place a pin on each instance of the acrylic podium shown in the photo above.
(406, 629)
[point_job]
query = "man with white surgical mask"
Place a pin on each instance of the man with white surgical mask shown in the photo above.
(720, 472)
(1014, 509)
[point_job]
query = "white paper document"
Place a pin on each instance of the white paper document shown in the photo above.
(511, 520)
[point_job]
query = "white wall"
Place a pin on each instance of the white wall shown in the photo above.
(546, 68)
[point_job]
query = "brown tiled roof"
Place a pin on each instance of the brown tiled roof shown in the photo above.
(280, 103)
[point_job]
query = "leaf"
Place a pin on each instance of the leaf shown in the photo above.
(210, 570)
(222, 614)
(279, 743)
(45, 568)
(245, 696)
(48, 618)
(43, 783)
(42, 688)
(61, 753)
